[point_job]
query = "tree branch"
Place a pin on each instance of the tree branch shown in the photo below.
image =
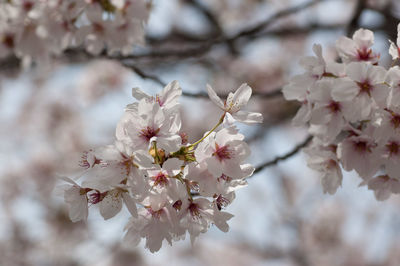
(285, 156)
(264, 95)
(206, 46)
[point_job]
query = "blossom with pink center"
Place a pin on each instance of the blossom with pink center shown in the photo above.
(167, 98)
(118, 164)
(388, 124)
(390, 156)
(359, 153)
(364, 87)
(233, 104)
(324, 160)
(358, 48)
(148, 124)
(153, 225)
(329, 114)
(197, 215)
(163, 185)
(224, 152)
(383, 186)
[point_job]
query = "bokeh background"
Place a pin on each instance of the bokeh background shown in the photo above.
(50, 114)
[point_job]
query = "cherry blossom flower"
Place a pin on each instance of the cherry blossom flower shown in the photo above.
(384, 186)
(366, 89)
(358, 48)
(150, 124)
(325, 161)
(75, 197)
(154, 226)
(224, 152)
(233, 104)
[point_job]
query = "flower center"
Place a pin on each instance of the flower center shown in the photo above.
(222, 202)
(361, 146)
(364, 54)
(223, 153)
(393, 148)
(149, 132)
(365, 87)
(334, 107)
(194, 210)
(155, 214)
(160, 179)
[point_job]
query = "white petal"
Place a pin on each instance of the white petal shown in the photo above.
(138, 94)
(345, 90)
(241, 96)
(111, 204)
(214, 97)
(248, 117)
(364, 38)
(130, 204)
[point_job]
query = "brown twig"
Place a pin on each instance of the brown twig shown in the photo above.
(285, 156)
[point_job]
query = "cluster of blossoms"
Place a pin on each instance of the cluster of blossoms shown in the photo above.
(35, 30)
(353, 111)
(177, 186)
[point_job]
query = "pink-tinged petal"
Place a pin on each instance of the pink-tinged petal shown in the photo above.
(321, 115)
(67, 179)
(303, 115)
(345, 90)
(138, 94)
(395, 186)
(298, 87)
(229, 120)
(345, 46)
(317, 49)
(78, 206)
(332, 180)
(130, 204)
(214, 166)
(170, 93)
(242, 95)
(220, 219)
(382, 194)
(111, 204)
(376, 74)
(214, 97)
(172, 166)
(232, 169)
(380, 94)
(363, 38)
(358, 71)
(393, 76)
(247, 169)
(248, 117)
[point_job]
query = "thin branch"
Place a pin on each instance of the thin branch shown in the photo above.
(280, 14)
(264, 95)
(285, 156)
(212, 19)
(145, 75)
(206, 46)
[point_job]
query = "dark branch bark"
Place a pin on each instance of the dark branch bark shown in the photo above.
(285, 156)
